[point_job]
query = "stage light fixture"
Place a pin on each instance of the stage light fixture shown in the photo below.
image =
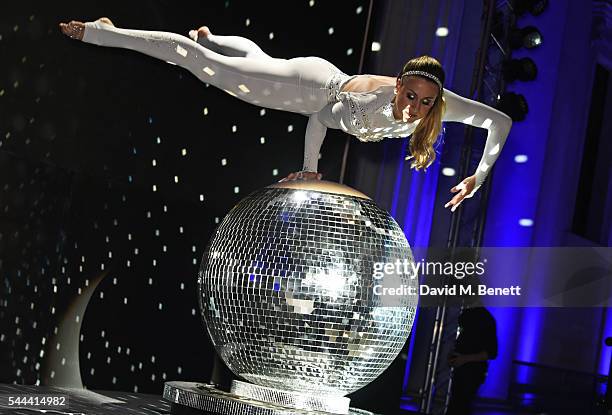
(514, 105)
(528, 37)
(523, 69)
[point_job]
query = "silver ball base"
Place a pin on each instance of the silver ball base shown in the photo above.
(208, 399)
(291, 399)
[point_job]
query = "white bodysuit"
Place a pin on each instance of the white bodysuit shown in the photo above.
(307, 85)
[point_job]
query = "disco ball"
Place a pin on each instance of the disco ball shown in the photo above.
(286, 288)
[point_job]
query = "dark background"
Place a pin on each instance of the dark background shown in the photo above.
(91, 141)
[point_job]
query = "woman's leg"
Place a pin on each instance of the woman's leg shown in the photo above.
(235, 46)
(295, 85)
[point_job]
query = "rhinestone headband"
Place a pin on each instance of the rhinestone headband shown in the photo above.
(426, 75)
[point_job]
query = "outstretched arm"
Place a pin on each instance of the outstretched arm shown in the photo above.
(315, 134)
(474, 113)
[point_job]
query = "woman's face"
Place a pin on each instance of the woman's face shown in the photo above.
(417, 92)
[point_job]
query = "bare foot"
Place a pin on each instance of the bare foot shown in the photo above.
(202, 32)
(75, 29)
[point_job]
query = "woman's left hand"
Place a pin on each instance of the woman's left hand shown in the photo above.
(466, 190)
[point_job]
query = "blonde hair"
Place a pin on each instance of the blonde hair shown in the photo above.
(426, 133)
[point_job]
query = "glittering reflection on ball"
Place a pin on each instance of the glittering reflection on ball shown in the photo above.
(286, 288)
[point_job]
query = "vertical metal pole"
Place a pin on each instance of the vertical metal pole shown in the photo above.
(364, 45)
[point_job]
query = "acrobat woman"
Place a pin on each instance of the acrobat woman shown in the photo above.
(370, 107)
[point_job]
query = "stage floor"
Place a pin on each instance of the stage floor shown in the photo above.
(85, 402)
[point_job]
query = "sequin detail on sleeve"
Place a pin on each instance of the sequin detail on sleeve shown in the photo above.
(359, 118)
(334, 85)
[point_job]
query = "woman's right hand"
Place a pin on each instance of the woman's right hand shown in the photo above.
(302, 175)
